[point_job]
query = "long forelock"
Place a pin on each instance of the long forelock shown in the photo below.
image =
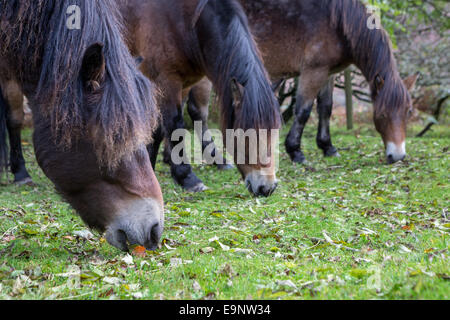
(393, 98)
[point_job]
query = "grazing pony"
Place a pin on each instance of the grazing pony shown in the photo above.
(315, 39)
(93, 112)
(182, 41)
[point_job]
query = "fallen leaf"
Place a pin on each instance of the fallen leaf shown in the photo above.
(358, 273)
(206, 250)
(404, 249)
(286, 285)
(85, 234)
(196, 286)
(139, 251)
(175, 262)
(128, 259)
(227, 270)
(112, 280)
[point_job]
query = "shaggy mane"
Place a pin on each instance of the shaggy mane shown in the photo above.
(372, 52)
(39, 47)
(236, 58)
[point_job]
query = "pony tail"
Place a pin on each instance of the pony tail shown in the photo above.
(3, 143)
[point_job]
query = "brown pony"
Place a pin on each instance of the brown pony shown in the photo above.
(315, 39)
(93, 112)
(182, 41)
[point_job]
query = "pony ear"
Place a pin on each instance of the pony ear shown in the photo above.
(93, 67)
(379, 83)
(237, 91)
(410, 82)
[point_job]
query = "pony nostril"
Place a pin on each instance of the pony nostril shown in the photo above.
(275, 185)
(155, 235)
(263, 191)
(248, 185)
(260, 190)
(123, 239)
(390, 159)
(117, 238)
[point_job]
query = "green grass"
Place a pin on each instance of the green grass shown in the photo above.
(341, 228)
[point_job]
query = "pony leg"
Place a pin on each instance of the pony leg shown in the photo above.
(173, 120)
(324, 109)
(310, 83)
(153, 148)
(3, 133)
(14, 121)
(293, 141)
(166, 152)
(198, 109)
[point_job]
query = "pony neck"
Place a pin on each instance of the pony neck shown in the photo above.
(232, 54)
(369, 48)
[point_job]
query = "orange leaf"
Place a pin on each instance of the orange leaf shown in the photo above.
(139, 251)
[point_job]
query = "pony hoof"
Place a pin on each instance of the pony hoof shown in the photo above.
(225, 167)
(333, 155)
(332, 152)
(299, 158)
(307, 164)
(200, 187)
(27, 181)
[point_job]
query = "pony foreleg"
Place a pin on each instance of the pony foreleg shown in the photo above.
(293, 141)
(14, 121)
(310, 83)
(324, 109)
(166, 152)
(153, 148)
(181, 171)
(199, 112)
(21, 175)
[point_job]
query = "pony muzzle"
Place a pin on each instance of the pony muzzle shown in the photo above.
(141, 222)
(261, 185)
(395, 152)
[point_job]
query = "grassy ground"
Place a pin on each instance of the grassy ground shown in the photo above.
(347, 228)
